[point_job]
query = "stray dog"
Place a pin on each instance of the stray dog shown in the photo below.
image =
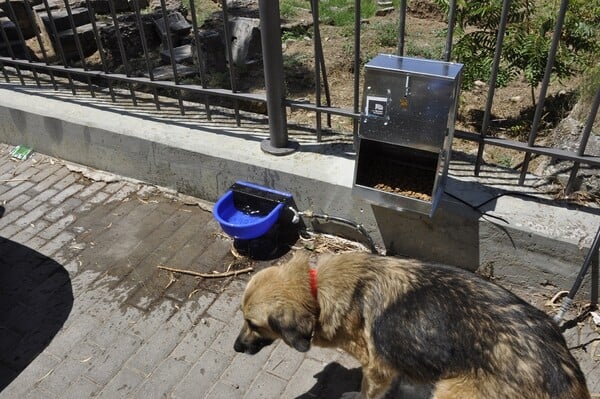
(425, 324)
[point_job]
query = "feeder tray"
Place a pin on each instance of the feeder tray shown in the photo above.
(405, 133)
(248, 211)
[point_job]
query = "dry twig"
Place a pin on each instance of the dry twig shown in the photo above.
(556, 297)
(172, 279)
(207, 275)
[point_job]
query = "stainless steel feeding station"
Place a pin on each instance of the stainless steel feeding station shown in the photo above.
(405, 132)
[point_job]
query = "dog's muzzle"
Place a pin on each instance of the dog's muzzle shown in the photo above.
(251, 347)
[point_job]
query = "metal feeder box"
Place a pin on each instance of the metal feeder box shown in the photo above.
(405, 133)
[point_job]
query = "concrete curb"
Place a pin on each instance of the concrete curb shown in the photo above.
(528, 243)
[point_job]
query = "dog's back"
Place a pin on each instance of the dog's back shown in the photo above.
(471, 338)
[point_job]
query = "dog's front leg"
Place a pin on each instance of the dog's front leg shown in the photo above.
(374, 385)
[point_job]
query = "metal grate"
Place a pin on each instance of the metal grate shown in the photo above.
(57, 65)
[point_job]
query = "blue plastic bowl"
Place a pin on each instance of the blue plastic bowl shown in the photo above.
(242, 225)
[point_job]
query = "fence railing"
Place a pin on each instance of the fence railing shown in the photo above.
(42, 41)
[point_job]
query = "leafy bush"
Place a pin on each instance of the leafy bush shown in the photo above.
(528, 38)
(387, 33)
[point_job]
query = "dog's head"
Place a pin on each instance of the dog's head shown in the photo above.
(277, 304)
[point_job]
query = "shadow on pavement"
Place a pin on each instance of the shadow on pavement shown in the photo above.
(333, 381)
(35, 301)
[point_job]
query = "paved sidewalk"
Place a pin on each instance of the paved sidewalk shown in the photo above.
(84, 310)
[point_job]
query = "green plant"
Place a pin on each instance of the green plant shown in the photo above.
(422, 50)
(341, 12)
(204, 9)
(505, 160)
(295, 61)
(527, 40)
(591, 82)
(387, 33)
(293, 35)
(519, 129)
(289, 8)
(218, 79)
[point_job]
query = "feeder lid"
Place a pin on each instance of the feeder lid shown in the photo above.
(419, 66)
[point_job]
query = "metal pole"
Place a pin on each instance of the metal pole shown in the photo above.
(11, 54)
(11, 13)
(545, 82)
(594, 290)
(401, 27)
(492, 88)
(199, 57)
(450, 34)
(140, 26)
(582, 272)
(230, 63)
(92, 13)
(357, 25)
(584, 140)
(270, 36)
(314, 6)
(124, 59)
(38, 36)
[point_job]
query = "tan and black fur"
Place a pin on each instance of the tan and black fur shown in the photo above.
(428, 324)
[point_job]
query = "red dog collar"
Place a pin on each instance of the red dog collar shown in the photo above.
(313, 282)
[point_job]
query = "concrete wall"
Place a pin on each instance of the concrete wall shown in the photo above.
(535, 243)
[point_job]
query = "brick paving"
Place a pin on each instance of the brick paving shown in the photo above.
(85, 312)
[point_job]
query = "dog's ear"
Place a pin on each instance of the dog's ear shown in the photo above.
(295, 328)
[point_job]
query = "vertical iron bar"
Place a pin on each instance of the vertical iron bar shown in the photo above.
(113, 15)
(492, 83)
(163, 6)
(270, 36)
(546, 80)
(58, 45)
(100, 48)
(450, 33)
(4, 72)
(401, 27)
(357, 26)
(324, 75)
(232, 70)
(78, 45)
(11, 54)
(11, 12)
(592, 253)
(584, 140)
(38, 36)
(595, 280)
(316, 41)
(200, 59)
(140, 24)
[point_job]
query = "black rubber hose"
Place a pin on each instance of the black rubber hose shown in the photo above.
(342, 220)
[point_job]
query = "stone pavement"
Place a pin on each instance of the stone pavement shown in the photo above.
(85, 312)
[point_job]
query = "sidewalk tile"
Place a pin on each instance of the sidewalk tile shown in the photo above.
(203, 375)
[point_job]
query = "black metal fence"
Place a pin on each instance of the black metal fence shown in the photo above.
(45, 42)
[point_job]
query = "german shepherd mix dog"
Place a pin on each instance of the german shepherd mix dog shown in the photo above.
(425, 324)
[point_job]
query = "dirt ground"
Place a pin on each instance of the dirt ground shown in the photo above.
(512, 108)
